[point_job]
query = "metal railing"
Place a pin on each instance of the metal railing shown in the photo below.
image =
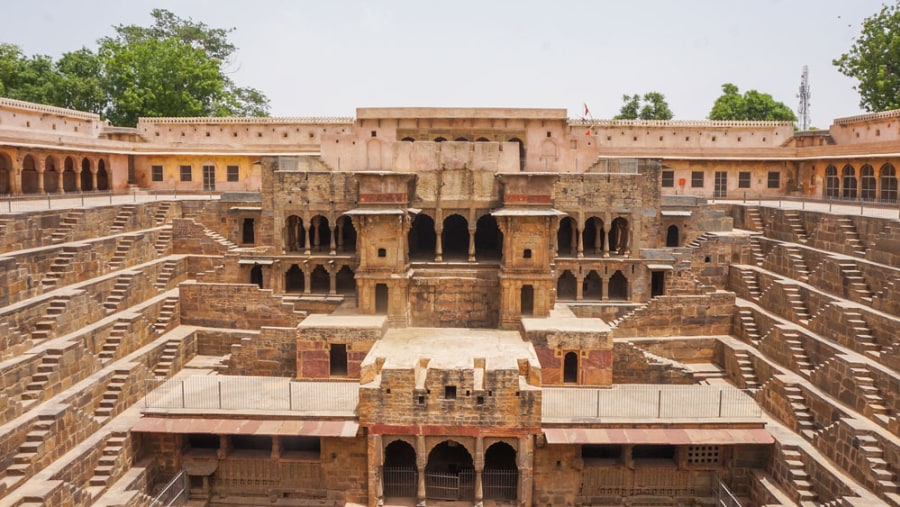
(648, 402)
(400, 482)
(175, 492)
(223, 392)
(500, 484)
(81, 198)
(724, 496)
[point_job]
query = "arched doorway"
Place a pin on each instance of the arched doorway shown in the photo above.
(381, 298)
(570, 368)
(102, 176)
(345, 234)
(500, 479)
(455, 237)
(5, 174)
(832, 182)
(256, 275)
(672, 236)
(422, 238)
(592, 236)
(400, 476)
(294, 234)
(488, 239)
(566, 286)
(566, 239)
(247, 232)
(345, 281)
(592, 287)
(521, 152)
(849, 176)
(618, 287)
(449, 473)
(320, 280)
(70, 177)
(618, 236)
(294, 279)
(319, 234)
(29, 176)
(87, 178)
(51, 176)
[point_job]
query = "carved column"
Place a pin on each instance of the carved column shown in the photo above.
(439, 245)
(332, 279)
(332, 248)
(41, 167)
(339, 234)
(604, 288)
(421, 461)
(471, 245)
(315, 233)
(579, 286)
(606, 228)
(15, 175)
(525, 458)
(580, 233)
(307, 278)
(479, 470)
(78, 178)
(598, 237)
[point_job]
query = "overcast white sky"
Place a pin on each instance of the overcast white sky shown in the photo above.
(330, 57)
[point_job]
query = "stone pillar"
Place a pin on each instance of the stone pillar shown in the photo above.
(276, 447)
(604, 288)
(439, 246)
(15, 175)
(41, 167)
(479, 470)
(339, 234)
(573, 243)
(471, 245)
(606, 228)
(307, 279)
(93, 172)
(579, 232)
(78, 179)
(598, 237)
(525, 459)
(332, 248)
(222, 452)
(421, 461)
(579, 287)
(332, 276)
(59, 178)
(376, 474)
(315, 233)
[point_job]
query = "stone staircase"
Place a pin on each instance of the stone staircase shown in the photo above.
(886, 480)
(225, 242)
(795, 255)
(746, 370)
(28, 451)
(857, 288)
(123, 247)
(806, 426)
(68, 224)
(167, 359)
(754, 220)
(162, 213)
(797, 475)
(851, 235)
(110, 348)
(699, 241)
(756, 250)
(865, 385)
(109, 462)
(166, 315)
(60, 266)
(865, 341)
(748, 276)
(119, 292)
(748, 324)
(125, 213)
(795, 302)
(800, 360)
(48, 366)
(107, 405)
(165, 274)
(45, 328)
(795, 224)
(163, 243)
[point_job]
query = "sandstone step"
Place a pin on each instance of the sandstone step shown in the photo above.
(19, 469)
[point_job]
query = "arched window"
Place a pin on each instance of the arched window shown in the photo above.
(422, 238)
(849, 176)
(294, 279)
(618, 287)
(592, 236)
(868, 184)
(591, 288)
(256, 275)
(455, 237)
(832, 182)
(888, 183)
(566, 238)
(672, 236)
(570, 368)
(566, 285)
(488, 239)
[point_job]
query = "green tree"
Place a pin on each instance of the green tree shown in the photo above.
(874, 60)
(27, 78)
(752, 105)
(82, 85)
(652, 106)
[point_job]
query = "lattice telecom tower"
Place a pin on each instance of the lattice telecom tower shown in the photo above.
(803, 112)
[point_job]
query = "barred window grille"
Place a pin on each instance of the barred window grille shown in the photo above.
(704, 455)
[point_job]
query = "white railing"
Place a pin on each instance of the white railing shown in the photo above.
(676, 123)
(648, 402)
(724, 496)
(221, 392)
(175, 492)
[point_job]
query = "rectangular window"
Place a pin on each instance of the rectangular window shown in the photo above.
(696, 179)
(668, 179)
(185, 173)
(744, 179)
(233, 173)
(156, 173)
(774, 179)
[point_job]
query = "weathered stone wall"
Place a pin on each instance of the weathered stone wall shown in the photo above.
(708, 314)
(454, 298)
(344, 466)
(234, 306)
(632, 365)
(272, 352)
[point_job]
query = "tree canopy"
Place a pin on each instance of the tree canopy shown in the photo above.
(175, 67)
(874, 60)
(752, 105)
(652, 106)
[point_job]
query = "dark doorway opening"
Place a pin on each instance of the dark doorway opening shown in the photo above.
(592, 287)
(527, 298)
(247, 235)
(102, 176)
(566, 239)
(256, 275)
(488, 239)
(401, 476)
(672, 236)
(566, 286)
(346, 235)
(319, 233)
(618, 287)
(521, 152)
(500, 478)
(455, 238)
(657, 283)
(592, 237)
(422, 238)
(294, 280)
(346, 283)
(570, 368)
(337, 360)
(381, 298)
(320, 280)
(449, 473)
(87, 179)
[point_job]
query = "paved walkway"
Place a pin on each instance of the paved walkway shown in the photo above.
(836, 207)
(89, 200)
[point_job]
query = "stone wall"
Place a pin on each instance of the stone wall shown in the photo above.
(234, 306)
(708, 314)
(454, 298)
(272, 352)
(632, 365)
